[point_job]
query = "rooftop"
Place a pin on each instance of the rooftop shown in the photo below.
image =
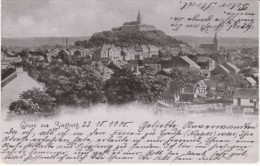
(224, 68)
(210, 83)
(202, 59)
(251, 80)
(234, 67)
(191, 62)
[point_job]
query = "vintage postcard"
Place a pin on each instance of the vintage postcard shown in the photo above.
(129, 81)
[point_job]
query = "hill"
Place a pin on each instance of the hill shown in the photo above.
(130, 38)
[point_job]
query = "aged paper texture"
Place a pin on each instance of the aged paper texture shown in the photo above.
(120, 81)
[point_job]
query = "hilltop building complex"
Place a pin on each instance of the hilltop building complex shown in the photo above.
(135, 25)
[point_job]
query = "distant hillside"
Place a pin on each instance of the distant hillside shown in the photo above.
(231, 42)
(130, 38)
(28, 42)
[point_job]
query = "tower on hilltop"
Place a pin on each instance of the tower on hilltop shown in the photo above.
(139, 18)
(215, 42)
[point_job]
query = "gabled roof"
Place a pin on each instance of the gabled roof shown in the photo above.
(152, 61)
(191, 62)
(202, 59)
(224, 68)
(128, 50)
(152, 47)
(105, 47)
(115, 49)
(210, 83)
(255, 75)
(202, 82)
(133, 61)
(167, 70)
(144, 47)
(65, 51)
(234, 67)
(246, 94)
(113, 65)
(251, 80)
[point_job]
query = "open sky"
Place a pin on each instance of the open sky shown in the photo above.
(36, 18)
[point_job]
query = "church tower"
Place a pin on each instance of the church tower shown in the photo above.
(139, 18)
(215, 43)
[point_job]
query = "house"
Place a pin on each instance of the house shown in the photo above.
(80, 52)
(202, 87)
(118, 65)
(138, 52)
(165, 72)
(206, 63)
(211, 84)
(110, 52)
(255, 77)
(135, 64)
(246, 98)
(114, 53)
(104, 51)
(232, 68)
(7, 75)
(220, 69)
(188, 94)
(177, 61)
(153, 51)
(5, 64)
(185, 49)
(219, 58)
(170, 97)
(145, 51)
(114, 66)
(153, 63)
(205, 72)
(52, 53)
(166, 64)
(103, 70)
(251, 82)
(189, 62)
(128, 54)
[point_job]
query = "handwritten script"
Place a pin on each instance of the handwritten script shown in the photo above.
(115, 141)
(214, 15)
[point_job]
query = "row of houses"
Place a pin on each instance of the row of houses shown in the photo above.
(114, 53)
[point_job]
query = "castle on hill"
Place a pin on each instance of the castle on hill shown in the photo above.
(135, 25)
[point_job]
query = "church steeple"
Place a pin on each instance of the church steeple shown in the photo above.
(215, 42)
(139, 18)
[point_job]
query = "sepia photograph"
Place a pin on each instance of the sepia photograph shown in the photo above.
(129, 81)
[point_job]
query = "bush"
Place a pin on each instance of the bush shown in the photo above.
(33, 101)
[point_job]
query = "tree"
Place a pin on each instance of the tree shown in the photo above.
(226, 84)
(121, 87)
(74, 85)
(151, 87)
(124, 39)
(33, 101)
(182, 77)
(124, 87)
